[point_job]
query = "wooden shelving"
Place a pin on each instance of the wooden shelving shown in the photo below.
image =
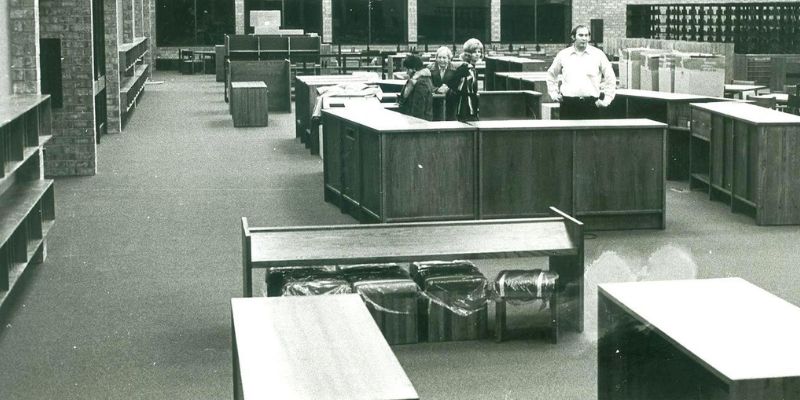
(753, 27)
(27, 201)
(133, 73)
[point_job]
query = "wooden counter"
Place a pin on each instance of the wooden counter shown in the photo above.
(748, 157)
(696, 339)
(382, 166)
(496, 64)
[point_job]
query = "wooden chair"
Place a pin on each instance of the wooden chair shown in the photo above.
(189, 64)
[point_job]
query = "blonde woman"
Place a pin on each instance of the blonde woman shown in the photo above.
(466, 107)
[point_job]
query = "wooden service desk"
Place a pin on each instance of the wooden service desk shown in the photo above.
(383, 166)
(749, 157)
(388, 167)
(312, 347)
(705, 339)
(670, 108)
(305, 97)
(510, 104)
(608, 173)
(559, 237)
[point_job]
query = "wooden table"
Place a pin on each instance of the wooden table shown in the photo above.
(207, 55)
(313, 347)
(696, 339)
(737, 90)
(560, 238)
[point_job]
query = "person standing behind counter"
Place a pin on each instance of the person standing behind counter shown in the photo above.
(416, 99)
(588, 81)
(442, 73)
(466, 108)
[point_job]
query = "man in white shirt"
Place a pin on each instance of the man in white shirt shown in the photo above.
(587, 78)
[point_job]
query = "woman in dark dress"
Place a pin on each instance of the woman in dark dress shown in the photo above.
(416, 99)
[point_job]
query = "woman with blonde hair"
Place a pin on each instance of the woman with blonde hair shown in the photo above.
(466, 107)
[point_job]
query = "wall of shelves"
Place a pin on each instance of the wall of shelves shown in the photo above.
(752, 27)
(27, 201)
(133, 73)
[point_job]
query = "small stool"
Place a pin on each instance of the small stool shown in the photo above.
(525, 285)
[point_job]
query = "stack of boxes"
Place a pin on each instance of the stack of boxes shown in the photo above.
(672, 71)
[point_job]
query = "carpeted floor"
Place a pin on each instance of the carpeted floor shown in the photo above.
(133, 300)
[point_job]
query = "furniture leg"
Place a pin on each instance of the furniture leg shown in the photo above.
(500, 319)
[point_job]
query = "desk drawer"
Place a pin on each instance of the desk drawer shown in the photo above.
(701, 123)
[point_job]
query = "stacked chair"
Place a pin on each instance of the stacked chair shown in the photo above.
(521, 287)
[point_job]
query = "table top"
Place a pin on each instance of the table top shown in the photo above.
(656, 95)
(401, 242)
(780, 98)
(742, 88)
(516, 59)
(389, 121)
(733, 327)
(578, 124)
(334, 79)
(314, 347)
(521, 75)
(248, 84)
(749, 113)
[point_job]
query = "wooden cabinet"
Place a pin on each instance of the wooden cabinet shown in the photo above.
(249, 104)
(509, 104)
(608, 172)
(133, 73)
(274, 73)
(383, 166)
(27, 201)
(749, 157)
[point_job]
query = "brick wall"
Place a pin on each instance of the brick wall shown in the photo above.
(149, 25)
(613, 12)
(138, 20)
(327, 21)
(240, 22)
(23, 21)
(127, 21)
(72, 150)
(114, 124)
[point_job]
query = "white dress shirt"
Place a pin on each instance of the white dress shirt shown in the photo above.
(583, 74)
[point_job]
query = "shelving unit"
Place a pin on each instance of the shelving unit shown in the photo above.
(746, 156)
(753, 27)
(133, 73)
(27, 201)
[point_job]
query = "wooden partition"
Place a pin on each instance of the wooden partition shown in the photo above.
(381, 166)
(509, 104)
(274, 73)
(749, 157)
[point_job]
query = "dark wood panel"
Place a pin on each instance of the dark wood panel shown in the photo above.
(522, 173)
(429, 175)
(778, 176)
(609, 176)
(511, 104)
(351, 163)
(249, 104)
(371, 169)
(332, 151)
(701, 123)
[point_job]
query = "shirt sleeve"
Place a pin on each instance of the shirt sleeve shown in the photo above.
(609, 83)
(552, 77)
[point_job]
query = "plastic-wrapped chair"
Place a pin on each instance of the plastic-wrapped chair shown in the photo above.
(276, 278)
(524, 286)
(390, 296)
(453, 301)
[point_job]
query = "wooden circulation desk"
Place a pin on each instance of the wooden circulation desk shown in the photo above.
(312, 347)
(558, 237)
(749, 157)
(708, 339)
(670, 108)
(382, 166)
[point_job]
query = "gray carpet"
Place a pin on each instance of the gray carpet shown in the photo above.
(133, 300)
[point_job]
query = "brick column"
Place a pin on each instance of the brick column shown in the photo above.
(240, 22)
(114, 124)
(495, 21)
(23, 37)
(150, 28)
(412, 21)
(327, 21)
(138, 19)
(127, 21)
(72, 150)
